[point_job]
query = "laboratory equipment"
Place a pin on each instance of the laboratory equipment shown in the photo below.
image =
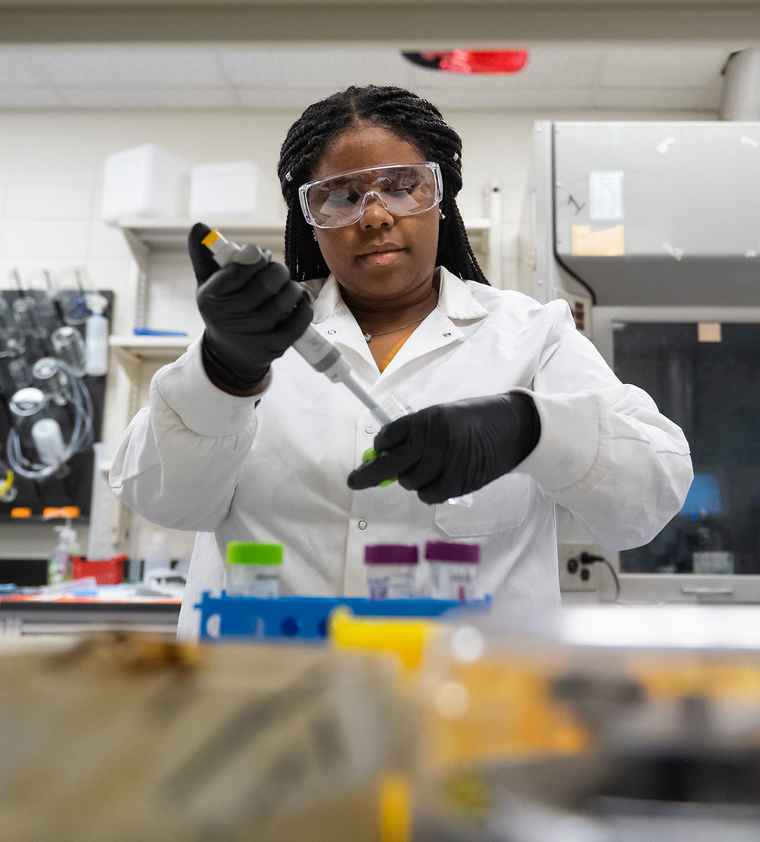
(71, 296)
(650, 231)
(49, 375)
(389, 409)
(8, 492)
(45, 303)
(27, 403)
(20, 372)
(26, 316)
(391, 570)
(253, 569)
(69, 346)
(96, 336)
(48, 439)
(37, 424)
(34, 425)
(643, 213)
(11, 337)
(227, 616)
(49, 450)
(321, 354)
(453, 569)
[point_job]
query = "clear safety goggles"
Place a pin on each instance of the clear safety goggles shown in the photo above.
(341, 199)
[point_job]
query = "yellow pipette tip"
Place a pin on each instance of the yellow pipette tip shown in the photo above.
(210, 238)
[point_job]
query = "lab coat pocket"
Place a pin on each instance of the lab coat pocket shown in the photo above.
(498, 506)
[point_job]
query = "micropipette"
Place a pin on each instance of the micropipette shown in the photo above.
(320, 353)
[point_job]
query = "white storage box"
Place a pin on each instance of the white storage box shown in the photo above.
(145, 181)
(226, 189)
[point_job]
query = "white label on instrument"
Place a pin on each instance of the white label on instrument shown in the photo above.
(605, 194)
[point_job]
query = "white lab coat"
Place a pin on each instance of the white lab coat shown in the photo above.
(274, 468)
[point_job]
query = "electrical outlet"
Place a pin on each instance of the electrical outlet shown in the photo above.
(575, 577)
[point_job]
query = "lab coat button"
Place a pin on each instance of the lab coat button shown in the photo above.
(446, 335)
(332, 331)
(369, 429)
(362, 524)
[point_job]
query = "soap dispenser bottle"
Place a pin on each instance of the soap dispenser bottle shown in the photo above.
(61, 563)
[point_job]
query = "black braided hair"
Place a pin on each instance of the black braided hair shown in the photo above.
(410, 118)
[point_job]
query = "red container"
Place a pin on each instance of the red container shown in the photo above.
(110, 572)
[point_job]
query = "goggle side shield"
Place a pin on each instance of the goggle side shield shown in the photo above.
(340, 199)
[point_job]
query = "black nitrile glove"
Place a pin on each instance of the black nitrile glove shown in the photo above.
(451, 449)
(253, 314)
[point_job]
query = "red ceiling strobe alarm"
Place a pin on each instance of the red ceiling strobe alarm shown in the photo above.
(472, 61)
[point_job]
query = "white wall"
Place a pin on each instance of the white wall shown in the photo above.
(51, 168)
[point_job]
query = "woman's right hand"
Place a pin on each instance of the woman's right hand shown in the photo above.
(253, 314)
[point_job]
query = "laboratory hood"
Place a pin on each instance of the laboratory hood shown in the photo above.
(645, 213)
(651, 232)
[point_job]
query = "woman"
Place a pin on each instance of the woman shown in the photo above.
(243, 441)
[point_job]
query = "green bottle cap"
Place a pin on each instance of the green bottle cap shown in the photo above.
(245, 552)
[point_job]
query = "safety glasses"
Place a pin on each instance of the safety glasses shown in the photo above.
(341, 199)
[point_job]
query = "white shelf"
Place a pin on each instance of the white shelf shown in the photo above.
(170, 235)
(143, 349)
(147, 346)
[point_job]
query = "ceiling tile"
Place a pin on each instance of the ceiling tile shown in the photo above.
(121, 67)
(334, 68)
(568, 76)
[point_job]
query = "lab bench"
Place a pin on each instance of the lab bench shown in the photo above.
(110, 610)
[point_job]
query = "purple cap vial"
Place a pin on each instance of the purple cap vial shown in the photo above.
(452, 551)
(391, 554)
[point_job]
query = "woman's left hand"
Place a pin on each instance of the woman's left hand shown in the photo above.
(451, 449)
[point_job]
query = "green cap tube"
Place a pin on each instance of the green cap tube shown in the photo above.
(246, 552)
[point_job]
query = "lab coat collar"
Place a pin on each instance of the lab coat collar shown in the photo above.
(455, 299)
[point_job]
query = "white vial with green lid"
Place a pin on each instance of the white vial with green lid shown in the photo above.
(253, 569)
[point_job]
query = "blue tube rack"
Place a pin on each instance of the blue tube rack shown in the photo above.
(306, 617)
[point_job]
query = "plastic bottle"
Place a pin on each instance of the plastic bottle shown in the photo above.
(61, 562)
(453, 568)
(391, 570)
(253, 569)
(96, 336)
(48, 440)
